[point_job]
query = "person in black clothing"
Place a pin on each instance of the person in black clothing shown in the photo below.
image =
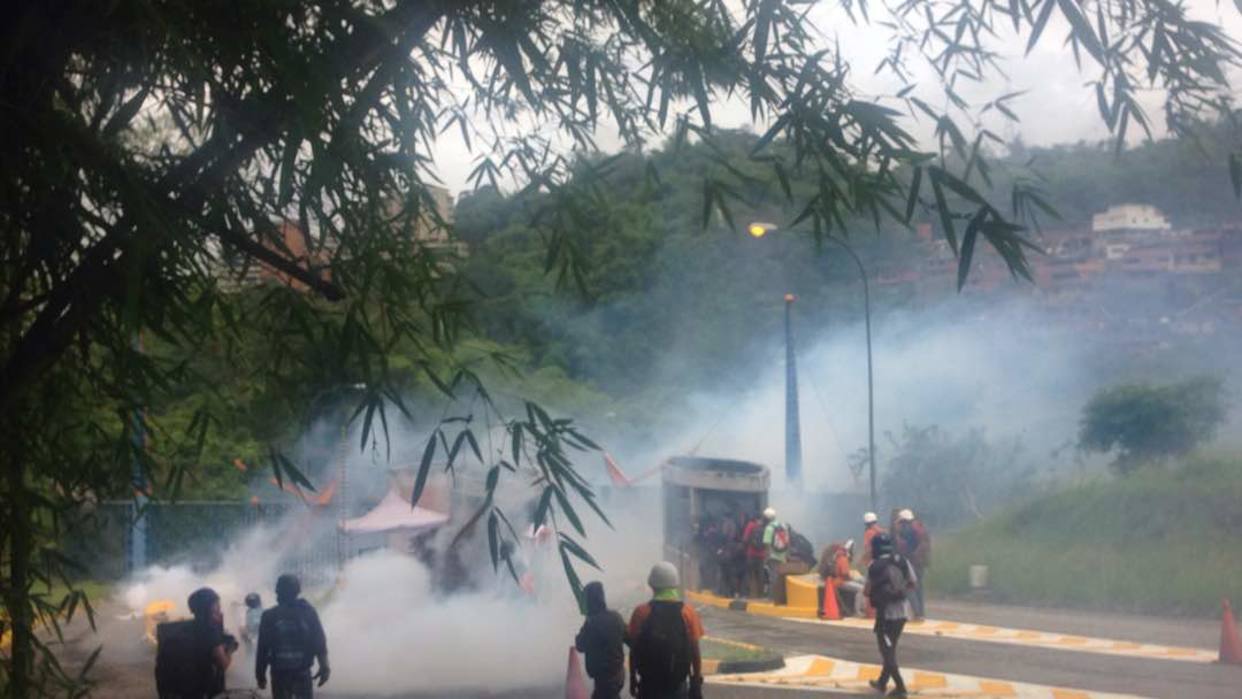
(290, 640)
(601, 640)
(194, 655)
(890, 578)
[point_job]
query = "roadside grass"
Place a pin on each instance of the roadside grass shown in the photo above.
(1163, 541)
(732, 651)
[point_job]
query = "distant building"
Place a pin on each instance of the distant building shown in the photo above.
(431, 231)
(427, 230)
(1130, 217)
(289, 242)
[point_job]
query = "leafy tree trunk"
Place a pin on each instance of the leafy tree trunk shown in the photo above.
(18, 605)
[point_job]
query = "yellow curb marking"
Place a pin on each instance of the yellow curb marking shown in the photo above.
(821, 667)
(993, 688)
(1073, 640)
(929, 680)
(1069, 694)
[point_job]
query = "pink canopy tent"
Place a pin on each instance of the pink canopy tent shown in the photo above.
(395, 513)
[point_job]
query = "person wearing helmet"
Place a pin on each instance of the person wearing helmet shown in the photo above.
(914, 543)
(291, 639)
(834, 568)
(871, 527)
(601, 640)
(663, 636)
(776, 539)
(194, 655)
(251, 617)
(890, 580)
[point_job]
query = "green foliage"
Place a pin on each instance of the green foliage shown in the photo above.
(1149, 424)
(151, 149)
(951, 480)
(1161, 541)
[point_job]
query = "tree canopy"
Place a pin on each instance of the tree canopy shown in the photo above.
(1148, 423)
(153, 149)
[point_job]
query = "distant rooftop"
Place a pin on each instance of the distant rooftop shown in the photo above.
(1131, 217)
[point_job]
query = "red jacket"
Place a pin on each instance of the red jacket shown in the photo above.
(753, 551)
(914, 543)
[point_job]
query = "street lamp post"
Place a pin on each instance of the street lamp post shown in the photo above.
(758, 230)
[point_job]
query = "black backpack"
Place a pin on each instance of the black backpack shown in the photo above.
(662, 658)
(888, 581)
(290, 640)
(183, 667)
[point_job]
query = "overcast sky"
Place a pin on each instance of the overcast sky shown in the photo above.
(1058, 106)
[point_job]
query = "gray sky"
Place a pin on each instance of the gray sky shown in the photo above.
(1058, 106)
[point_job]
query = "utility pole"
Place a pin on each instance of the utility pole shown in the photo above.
(793, 431)
(138, 522)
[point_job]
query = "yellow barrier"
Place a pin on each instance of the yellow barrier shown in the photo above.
(802, 591)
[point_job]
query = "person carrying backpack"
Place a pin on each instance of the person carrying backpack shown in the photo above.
(776, 539)
(290, 640)
(890, 578)
(602, 642)
(193, 655)
(663, 636)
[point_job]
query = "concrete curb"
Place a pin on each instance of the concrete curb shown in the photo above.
(750, 606)
(773, 661)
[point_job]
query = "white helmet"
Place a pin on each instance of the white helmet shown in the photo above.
(769, 513)
(664, 576)
(906, 515)
(870, 518)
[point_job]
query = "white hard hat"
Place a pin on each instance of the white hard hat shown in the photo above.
(769, 513)
(664, 576)
(870, 518)
(906, 515)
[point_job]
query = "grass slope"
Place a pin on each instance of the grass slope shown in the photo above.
(1159, 541)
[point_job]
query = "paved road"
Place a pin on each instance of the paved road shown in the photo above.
(1143, 677)
(125, 672)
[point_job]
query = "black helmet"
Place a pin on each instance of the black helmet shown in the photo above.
(288, 587)
(253, 600)
(881, 544)
(201, 601)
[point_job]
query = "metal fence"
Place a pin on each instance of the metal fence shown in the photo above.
(196, 534)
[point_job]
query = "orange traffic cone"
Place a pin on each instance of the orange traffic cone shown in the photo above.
(832, 612)
(575, 682)
(1230, 643)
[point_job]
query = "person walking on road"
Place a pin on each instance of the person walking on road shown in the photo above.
(776, 540)
(291, 639)
(663, 636)
(890, 579)
(752, 537)
(914, 543)
(602, 642)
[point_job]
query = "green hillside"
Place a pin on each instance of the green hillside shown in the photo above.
(1159, 541)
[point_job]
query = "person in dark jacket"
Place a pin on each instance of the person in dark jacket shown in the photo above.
(602, 640)
(290, 640)
(209, 651)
